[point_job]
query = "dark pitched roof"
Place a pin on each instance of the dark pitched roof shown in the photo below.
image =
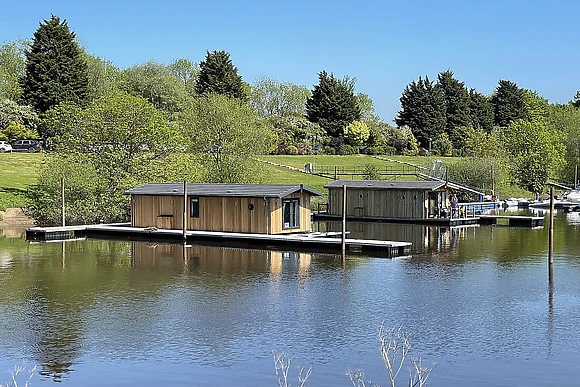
(236, 190)
(386, 185)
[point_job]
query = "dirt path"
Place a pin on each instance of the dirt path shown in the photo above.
(14, 222)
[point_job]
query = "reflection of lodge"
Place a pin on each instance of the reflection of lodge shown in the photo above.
(217, 259)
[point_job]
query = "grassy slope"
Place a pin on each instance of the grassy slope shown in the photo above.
(17, 172)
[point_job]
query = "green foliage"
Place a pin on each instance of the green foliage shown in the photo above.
(535, 153)
(537, 107)
(508, 103)
(218, 75)
(12, 69)
(475, 172)
(371, 172)
(422, 110)
(457, 112)
(272, 98)
(565, 120)
(481, 111)
(15, 131)
(291, 150)
(102, 77)
(295, 131)
(23, 115)
(113, 144)
(156, 83)
(576, 101)
(443, 145)
(227, 135)
(356, 133)
(333, 105)
(346, 150)
(56, 70)
(367, 108)
(186, 72)
(481, 144)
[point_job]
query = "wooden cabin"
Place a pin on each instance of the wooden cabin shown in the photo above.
(389, 199)
(247, 208)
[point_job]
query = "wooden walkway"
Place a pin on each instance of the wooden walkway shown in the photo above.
(312, 242)
(513, 221)
(449, 222)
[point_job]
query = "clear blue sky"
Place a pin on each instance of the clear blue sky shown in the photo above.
(384, 44)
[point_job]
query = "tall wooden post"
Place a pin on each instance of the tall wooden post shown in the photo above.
(575, 177)
(62, 200)
(492, 181)
(185, 214)
(551, 233)
(343, 220)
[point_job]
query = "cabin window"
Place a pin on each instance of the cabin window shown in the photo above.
(194, 207)
(291, 213)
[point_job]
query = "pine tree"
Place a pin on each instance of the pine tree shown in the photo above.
(508, 103)
(456, 107)
(55, 67)
(333, 105)
(422, 110)
(481, 111)
(576, 101)
(218, 75)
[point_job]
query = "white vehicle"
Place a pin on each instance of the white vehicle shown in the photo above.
(5, 147)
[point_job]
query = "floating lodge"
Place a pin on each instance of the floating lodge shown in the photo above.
(279, 216)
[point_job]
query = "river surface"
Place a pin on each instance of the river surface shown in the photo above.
(476, 301)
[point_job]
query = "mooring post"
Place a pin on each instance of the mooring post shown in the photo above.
(343, 220)
(62, 200)
(575, 177)
(551, 233)
(184, 221)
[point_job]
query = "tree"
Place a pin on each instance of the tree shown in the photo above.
(508, 103)
(481, 111)
(356, 133)
(536, 106)
(272, 98)
(23, 115)
(186, 71)
(55, 67)
(443, 144)
(156, 83)
(367, 108)
(218, 75)
(457, 113)
(12, 69)
(102, 77)
(226, 134)
(294, 131)
(576, 101)
(15, 131)
(422, 110)
(535, 152)
(333, 105)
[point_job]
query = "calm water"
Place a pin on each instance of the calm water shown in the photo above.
(477, 301)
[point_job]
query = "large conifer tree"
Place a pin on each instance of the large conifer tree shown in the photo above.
(333, 105)
(422, 110)
(481, 111)
(218, 75)
(508, 103)
(456, 107)
(55, 67)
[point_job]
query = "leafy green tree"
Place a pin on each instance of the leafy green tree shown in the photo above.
(24, 115)
(565, 119)
(102, 77)
(56, 70)
(508, 103)
(333, 105)
(422, 110)
(576, 101)
(226, 134)
(15, 131)
(481, 144)
(115, 143)
(443, 145)
(535, 152)
(356, 133)
(186, 71)
(457, 113)
(156, 83)
(367, 108)
(537, 107)
(218, 75)
(481, 111)
(272, 98)
(297, 132)
(12, 69)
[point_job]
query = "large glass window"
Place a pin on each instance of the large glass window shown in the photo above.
(194, 207)
(291, 213)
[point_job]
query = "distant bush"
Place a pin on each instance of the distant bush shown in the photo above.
(371, 172)
(328, 150)
(375, 150)
(346, 150)
(291, 150)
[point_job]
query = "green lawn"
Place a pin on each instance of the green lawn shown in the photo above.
(17, 172)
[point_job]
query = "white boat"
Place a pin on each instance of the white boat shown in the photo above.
(512, 202)
(574, 196)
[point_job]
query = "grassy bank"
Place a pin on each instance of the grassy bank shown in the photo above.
(17, 172)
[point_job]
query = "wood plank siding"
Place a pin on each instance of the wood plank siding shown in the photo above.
(233, 214)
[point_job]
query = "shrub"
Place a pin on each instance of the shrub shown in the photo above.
(291, 150)
(374, 150)
(346, 150)
(328, 150)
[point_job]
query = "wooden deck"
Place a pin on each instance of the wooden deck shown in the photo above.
(449, 222)
(310, 242)
(513, 220)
